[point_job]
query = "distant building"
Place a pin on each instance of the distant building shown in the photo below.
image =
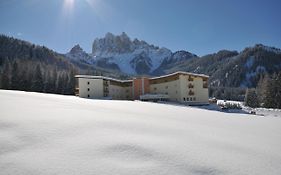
(181, 87)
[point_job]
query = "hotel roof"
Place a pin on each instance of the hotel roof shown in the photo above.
(101, 77)
(153, 78)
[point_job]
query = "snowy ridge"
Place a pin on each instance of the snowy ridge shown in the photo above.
(122, 51)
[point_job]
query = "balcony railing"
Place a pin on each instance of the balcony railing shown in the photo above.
(190, 92)
(190, 85)
(205, 85)
(105, 90)
(76, 92)
(190, 78)
(105, 83)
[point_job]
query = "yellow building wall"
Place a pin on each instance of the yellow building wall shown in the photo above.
(171, 88)
(90, 88)
(201, 94)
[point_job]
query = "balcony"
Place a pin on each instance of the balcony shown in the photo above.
(76, 92)
(205, 84)
(105, 90)
(105, 83)
(190, 85)
(190, 92)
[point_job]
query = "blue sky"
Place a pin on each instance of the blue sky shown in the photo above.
(198, 26)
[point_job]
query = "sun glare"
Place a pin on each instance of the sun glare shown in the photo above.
(68, 4)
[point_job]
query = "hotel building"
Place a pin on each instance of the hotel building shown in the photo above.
(180, 86)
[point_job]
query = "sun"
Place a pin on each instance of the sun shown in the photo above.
(68, 4)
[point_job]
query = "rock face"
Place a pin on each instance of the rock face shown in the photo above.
(132, 57)
(78, 54)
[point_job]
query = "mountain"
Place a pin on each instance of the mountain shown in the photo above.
(134, 57)
(23, 63)
(233, 69)
(29, 67)
(78, 54)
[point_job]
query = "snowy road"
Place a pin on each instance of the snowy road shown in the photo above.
(53, 134)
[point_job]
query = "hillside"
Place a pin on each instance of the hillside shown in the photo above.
(56, 134)
(232, 69)
(30, 67)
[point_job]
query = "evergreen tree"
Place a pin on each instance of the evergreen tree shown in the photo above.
(70, 88)
(5, 78)
(37, 81)
(277, 91)
(262, 87)
(15, 77)
(61, 83)
(268, 99)
(251, 98)
(24, 82)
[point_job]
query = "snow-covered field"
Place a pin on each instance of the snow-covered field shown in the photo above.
(53, 134)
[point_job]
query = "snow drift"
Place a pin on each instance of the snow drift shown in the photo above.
(54, 134)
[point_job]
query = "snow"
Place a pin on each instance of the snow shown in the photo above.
(267, 112)
(54, 134)
(123, 60)
(107, 48)
(250, 62)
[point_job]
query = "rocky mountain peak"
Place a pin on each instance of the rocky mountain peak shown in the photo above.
(76, 49)
(77, 53)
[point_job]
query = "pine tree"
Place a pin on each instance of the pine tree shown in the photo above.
(5, 78)
(268, 99)
(262, 87)
(15, 77)
(251, 98)
(277, 91)
(61, 83)
(24, 82)
(37, 82)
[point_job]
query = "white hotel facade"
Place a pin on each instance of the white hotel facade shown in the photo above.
(183, 87)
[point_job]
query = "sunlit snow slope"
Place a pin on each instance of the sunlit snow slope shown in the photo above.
(53, 134)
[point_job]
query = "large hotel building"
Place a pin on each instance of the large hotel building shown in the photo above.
(181, 87)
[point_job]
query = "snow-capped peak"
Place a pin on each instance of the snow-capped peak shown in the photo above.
(77, 53)
(124, 52)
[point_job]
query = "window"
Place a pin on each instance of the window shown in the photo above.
(155, 88)
(194, 99)
(167, 87)
(183, 98)
(205, 84)
(190, 92)
(166, 93)
(88, 83)
(88, 96)
(187, 99)
(88, 89)
(190, 98)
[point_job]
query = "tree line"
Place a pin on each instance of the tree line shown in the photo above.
(36, 76)
(267, 93)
